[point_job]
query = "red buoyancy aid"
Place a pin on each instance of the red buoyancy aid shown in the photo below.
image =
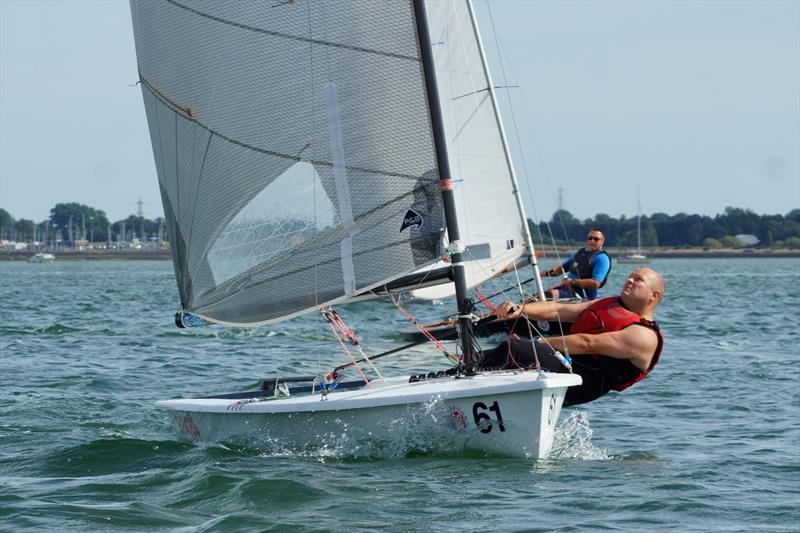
(609, 314)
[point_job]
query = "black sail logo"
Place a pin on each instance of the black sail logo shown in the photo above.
(412, 218)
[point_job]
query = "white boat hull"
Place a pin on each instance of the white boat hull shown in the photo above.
(477, 271)
(507, 413)
(633, 258)
(42, 258)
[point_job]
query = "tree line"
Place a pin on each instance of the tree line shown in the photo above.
(680, 230)
(70, 222)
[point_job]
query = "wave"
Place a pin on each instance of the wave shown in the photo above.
(113, 456)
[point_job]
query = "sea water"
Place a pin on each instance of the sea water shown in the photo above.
(710, 441)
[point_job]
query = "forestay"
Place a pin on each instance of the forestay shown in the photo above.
(491, 225)
(293, 148)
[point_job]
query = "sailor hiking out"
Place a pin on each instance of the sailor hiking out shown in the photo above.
(613, 342)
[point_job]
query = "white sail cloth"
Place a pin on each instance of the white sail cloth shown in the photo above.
(490, 224)
(294, 152)
(292, 143)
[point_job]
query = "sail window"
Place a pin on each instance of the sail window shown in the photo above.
(278, 219)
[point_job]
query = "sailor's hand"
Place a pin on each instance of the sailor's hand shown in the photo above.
(508, 310)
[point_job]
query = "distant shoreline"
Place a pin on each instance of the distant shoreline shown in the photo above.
(699, 252)
(546, 254)
(91, 255)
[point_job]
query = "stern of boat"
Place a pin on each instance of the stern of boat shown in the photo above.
(519, 424)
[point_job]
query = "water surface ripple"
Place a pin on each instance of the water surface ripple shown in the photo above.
(710, 441)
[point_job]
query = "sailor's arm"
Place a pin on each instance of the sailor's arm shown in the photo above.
(555, 271)
(586, 283)
(636, 343)
(548, 310)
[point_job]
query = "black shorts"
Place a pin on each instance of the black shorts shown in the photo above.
(519, 353)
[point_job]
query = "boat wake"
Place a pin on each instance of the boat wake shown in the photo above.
(429, 429)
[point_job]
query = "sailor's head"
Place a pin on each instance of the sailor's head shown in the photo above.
(595, 239)
(643, 287)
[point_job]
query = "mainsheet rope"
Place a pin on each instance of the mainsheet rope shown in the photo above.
(335, 322)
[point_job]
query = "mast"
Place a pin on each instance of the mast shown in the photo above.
(446, 183)
(507, 151)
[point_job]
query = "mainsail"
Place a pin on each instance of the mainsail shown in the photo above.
(293, 148)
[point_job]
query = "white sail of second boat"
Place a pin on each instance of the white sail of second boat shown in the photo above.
(492, 220)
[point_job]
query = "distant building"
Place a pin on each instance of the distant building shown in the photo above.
(13, 245)
(747, 240)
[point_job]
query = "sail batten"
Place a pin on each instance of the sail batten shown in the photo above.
(295, 157)
(290, 36)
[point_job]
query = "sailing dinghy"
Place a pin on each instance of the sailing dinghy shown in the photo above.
(303, 162)
(637, 256)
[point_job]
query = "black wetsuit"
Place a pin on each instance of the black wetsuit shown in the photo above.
(599, 374)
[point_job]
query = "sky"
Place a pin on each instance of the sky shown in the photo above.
(694, 103)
